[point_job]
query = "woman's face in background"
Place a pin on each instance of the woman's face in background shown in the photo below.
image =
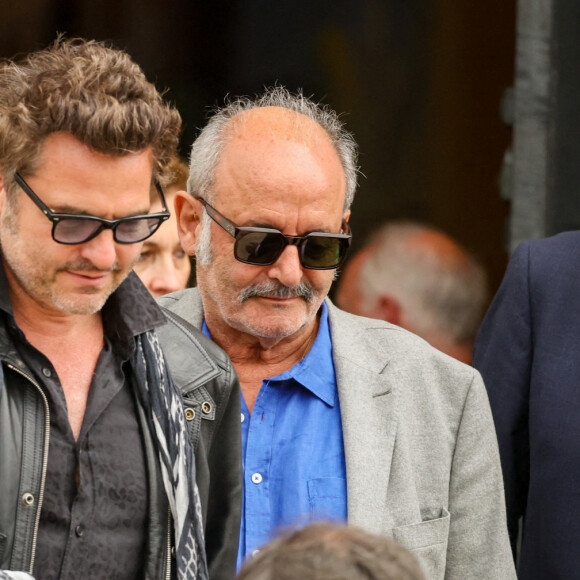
(163, 266)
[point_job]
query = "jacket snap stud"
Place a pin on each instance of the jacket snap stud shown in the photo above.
(27, 499)
(189, 414)
(206, 407)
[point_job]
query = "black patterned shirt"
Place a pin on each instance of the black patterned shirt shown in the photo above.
(93, 522)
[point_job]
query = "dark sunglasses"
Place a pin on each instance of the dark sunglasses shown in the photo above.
(263, 246)
(74, 229)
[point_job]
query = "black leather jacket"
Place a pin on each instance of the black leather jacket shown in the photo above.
(212, 399)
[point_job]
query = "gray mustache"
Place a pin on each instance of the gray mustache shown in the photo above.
(276, 290)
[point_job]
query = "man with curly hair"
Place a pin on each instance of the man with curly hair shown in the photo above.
(98, 471)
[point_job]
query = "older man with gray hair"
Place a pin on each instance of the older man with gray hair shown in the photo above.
(343, 418)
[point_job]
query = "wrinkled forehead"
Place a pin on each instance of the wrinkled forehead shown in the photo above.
(281, 159)
(272, 152)
(276, 123)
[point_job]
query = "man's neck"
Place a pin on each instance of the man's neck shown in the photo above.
(258, 358)
(72, 343)
(60, 329)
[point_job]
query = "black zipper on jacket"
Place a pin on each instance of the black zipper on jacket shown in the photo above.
(44, 461)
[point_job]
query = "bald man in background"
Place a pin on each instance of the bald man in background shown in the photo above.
(421, 279)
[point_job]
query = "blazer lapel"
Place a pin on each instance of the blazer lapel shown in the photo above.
(369, 418)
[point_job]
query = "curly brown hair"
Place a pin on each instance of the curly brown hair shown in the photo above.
(90, 90)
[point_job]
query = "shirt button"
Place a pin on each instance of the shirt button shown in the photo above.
(243, 417)
(79, 531)
(46, 372)
(255, 553)
(256, 478)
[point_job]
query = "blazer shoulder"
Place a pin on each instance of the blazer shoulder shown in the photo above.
(545, 267)
(186, 304)
(563, 247)
(387, 349)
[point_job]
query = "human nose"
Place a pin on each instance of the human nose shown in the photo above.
(287, 268)
(101, 251)
(165, 278)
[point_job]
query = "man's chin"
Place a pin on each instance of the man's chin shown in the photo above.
(84, 303)
(277, 320)
(272, 329)
(89, 300)
(81, 307)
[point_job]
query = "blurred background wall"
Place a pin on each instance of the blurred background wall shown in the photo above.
(420, 83)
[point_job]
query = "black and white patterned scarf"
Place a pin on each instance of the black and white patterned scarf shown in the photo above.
(163, 406)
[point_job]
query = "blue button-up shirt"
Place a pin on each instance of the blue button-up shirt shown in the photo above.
(293, 453)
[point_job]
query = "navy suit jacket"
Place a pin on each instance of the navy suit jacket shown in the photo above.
(528, 351)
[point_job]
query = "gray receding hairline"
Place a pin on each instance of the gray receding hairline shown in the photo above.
(207, 148)
(449, 297)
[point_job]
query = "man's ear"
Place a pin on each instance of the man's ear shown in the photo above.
(188, 212)
(388, 308)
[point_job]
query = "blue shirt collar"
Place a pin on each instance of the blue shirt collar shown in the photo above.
(315, 371)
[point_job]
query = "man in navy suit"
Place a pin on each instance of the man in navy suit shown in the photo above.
(528, 351)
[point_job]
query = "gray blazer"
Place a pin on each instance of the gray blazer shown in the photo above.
(422, 462)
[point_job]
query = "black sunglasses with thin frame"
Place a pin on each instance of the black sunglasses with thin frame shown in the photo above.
(263, 246)
(73, 229)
